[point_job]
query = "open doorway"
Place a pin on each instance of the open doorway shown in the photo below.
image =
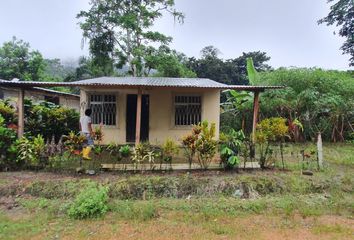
(131, 118)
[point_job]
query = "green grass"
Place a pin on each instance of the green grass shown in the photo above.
(144, 201)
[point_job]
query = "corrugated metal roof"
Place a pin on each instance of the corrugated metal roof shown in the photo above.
(153, 82)
(137, 82)
(56, 92)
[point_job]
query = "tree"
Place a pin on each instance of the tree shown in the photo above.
(56, 70)
(230, 71)
(119, 32)
(342, 15)
(169, 63)
(17, 60)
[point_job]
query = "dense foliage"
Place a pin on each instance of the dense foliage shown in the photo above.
(17, 60)
(342, 15)
(91, 202)
(323, 101)
(49, 120)
(119, 33)
(7, 144)
(229, 71)
(43, 118)
(313, 101)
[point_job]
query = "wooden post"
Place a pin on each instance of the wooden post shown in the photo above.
(319, 151)
(255, 115)
(20, 112)
(138, 118)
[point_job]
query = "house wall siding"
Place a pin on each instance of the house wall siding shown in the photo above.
(161, 112)
(37, 96)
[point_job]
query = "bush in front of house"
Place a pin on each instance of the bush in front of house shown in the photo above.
(49, 120)
(230, 145)
(43, 118)
(91, 202)
(7, 145)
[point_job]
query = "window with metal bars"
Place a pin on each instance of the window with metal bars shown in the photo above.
(104, 109)
(188, 110)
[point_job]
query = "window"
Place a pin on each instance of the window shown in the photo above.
(188, 110)
(51, 99)
(104, 109)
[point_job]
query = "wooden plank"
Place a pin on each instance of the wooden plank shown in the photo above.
(166, 167)
(138, 118)
(20, 112)
(255, 115)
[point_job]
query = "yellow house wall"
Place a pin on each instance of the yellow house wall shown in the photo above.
(161, 112)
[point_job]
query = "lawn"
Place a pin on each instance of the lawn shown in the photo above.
(271, 204)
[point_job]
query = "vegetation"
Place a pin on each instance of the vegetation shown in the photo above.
(169, 150)
(91, 202)
(206, 145)
(7, 144)
(31, 151)
(341, 15)
(18, 61)
(119, 33)
(268, 130)
(322, 101)
(230, 71)
(230, 146)
(49, 120)
(216, 205)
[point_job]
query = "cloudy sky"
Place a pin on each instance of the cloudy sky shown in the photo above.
(286, 29)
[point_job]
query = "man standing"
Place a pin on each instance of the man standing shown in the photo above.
(86, 130)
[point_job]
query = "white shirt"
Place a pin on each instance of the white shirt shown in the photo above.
(85, 121)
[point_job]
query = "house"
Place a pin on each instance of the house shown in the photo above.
(38, 94)
(134, 109)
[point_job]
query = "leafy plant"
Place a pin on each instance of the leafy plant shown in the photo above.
(49, 120)
(230, 146)
(98, 135)
(169, 150)
(206, 145)
(268, 130)
(30, 151)
(8, 147)
(139, 153)
(91, 202)
(7, 111)
(189, 143)
(125, 151)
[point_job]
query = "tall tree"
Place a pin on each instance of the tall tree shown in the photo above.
(17, 60)
(342, 15)
(119, 32)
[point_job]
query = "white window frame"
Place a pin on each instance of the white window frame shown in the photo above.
(173, 120)
(102, 94)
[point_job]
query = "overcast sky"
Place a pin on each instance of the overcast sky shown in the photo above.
(286, 29)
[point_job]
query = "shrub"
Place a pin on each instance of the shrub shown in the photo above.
(7, 111)
(30, 151)
(268, 130)
(189, 143)
(49, 119)
(169, 150)
(230, 146)
(91, 202)
(206, 144)
(7, 144)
